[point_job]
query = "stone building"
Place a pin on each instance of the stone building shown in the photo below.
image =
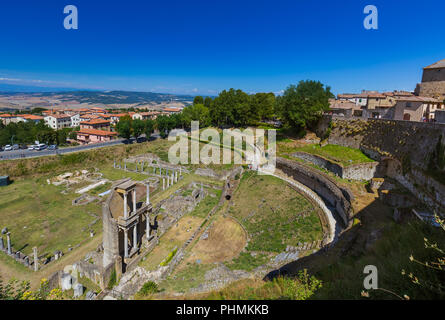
(127, 217)
(433, 81)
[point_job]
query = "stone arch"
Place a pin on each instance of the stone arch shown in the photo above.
(407, 117)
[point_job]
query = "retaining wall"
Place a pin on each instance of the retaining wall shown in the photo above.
(324, 187)
(359, 171)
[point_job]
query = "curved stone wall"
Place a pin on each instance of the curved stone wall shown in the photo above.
(335, 196)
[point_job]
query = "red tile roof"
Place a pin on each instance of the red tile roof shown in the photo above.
(172, 109)
(96, 132)
(95, 121)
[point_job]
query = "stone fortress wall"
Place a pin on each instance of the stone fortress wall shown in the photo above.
(404, 150)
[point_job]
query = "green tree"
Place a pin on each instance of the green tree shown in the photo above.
(262, 105)
(304, 104)
(208, 102)
(162, 123)
(198, 100)
(197, 112)
(138, 127)
(123, 127)
(231, 108)
(149, 126)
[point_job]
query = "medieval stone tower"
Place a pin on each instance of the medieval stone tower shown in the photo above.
(433, 81)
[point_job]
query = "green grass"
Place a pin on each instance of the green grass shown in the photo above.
(189, 277)
(169, 258)
(206, 205)
(38, 214)
(271, 212)
(344, 278)
(245, 261)
(342, 155)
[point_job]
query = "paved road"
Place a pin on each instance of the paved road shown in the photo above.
(21, 154)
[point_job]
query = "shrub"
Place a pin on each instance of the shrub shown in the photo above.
(113, 280)
(148, 288)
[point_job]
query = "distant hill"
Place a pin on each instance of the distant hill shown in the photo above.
(91, 96)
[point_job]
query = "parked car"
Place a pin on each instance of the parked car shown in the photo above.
(40, 146)
(31, 147)
(53, 147)
(15, 147)
(8, 147)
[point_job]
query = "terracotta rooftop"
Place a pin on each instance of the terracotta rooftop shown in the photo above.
(172, 109)
(31, 117)
(417, 99)
(95, 121)
(59, 116)
(96, 132)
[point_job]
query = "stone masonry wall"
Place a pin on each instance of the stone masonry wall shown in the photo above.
(404, 148)
(359, 171)
(324, 187)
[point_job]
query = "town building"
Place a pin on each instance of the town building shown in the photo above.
(58, 121)
(145, 115)
(433, 81)
(29, 118)
(87, 136)
(75, 120)
(7, 118)
(97, 124)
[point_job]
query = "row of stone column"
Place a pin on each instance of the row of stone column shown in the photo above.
(9, 250)
(141, 165)
(171, 180)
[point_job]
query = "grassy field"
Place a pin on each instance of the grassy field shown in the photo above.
(274, 214)
(343, 155)
(38, 214)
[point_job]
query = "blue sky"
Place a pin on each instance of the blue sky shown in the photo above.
(204, 47)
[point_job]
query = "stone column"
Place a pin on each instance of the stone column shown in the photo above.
(172, 177)
(2, 245)
(125, 205)
(134, 201)
(147, 220)
(126, 243)
(8, 239)
(163, 184)
(135, 236)
(176, 176)
(148, 194)
(125, 165)
(168, 182)
(36, 261)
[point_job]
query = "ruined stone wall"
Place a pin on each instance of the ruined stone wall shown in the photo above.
(359, 171)
(324, 187)
(110, 235)
(404, 147)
